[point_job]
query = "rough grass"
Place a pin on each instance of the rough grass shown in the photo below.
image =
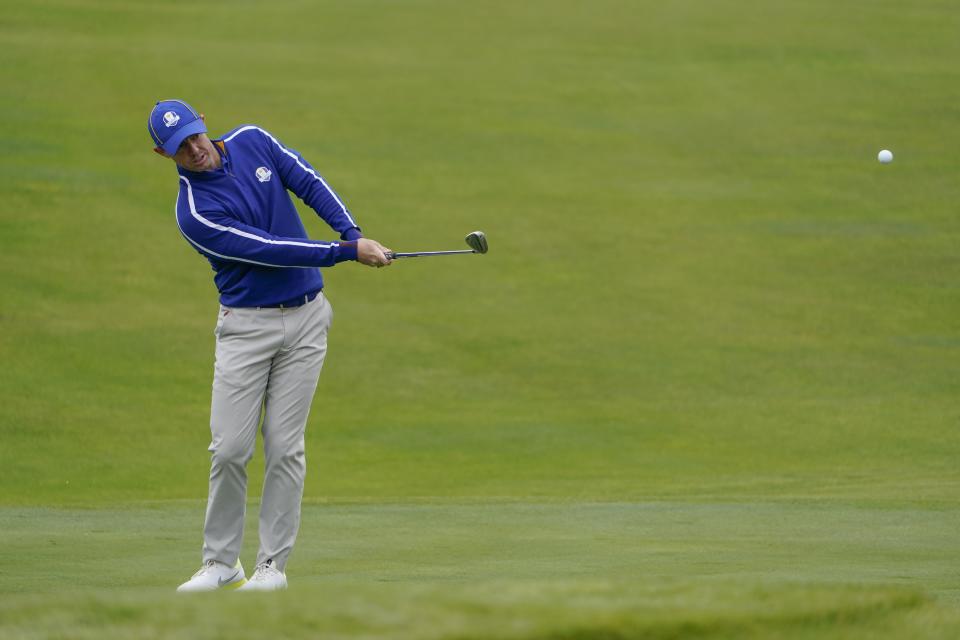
(509, 611)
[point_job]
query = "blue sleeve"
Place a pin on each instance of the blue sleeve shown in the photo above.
(217, 234)
(302, 179)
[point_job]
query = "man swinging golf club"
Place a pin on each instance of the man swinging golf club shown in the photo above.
(234, 208)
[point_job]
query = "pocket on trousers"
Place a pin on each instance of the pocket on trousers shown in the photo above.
(329, 310)
(219, 330)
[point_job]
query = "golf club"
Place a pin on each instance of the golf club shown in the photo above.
(476, 240)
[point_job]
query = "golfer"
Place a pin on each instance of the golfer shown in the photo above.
(234, 208)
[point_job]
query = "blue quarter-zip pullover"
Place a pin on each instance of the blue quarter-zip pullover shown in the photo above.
(241, 218)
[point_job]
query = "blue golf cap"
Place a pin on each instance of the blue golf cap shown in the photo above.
(171, 122)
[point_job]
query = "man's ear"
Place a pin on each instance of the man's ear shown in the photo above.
(160, 151)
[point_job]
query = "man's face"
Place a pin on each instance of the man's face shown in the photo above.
(197, 153)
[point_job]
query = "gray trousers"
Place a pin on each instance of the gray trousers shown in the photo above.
(267, 361)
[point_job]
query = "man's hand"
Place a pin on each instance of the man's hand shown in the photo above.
(372, 253)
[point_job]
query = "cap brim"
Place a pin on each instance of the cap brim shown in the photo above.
(171, 146)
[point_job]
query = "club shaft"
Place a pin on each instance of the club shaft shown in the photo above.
(417, 254)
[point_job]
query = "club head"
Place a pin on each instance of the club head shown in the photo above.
(477, 241)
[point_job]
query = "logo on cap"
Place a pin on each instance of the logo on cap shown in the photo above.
(263, 174)
(170, 119)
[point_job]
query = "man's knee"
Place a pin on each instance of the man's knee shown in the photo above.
(230, 453)
(291, 462)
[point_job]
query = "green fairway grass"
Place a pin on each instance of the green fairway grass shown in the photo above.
(705, 384)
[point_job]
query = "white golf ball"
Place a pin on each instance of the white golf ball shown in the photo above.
(885, 156)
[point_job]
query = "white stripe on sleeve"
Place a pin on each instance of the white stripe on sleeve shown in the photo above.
(239, 232)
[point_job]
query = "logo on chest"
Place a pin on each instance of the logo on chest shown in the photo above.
(264, 174)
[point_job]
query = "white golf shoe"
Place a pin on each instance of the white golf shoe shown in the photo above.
(266, 578)
(214, 575)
